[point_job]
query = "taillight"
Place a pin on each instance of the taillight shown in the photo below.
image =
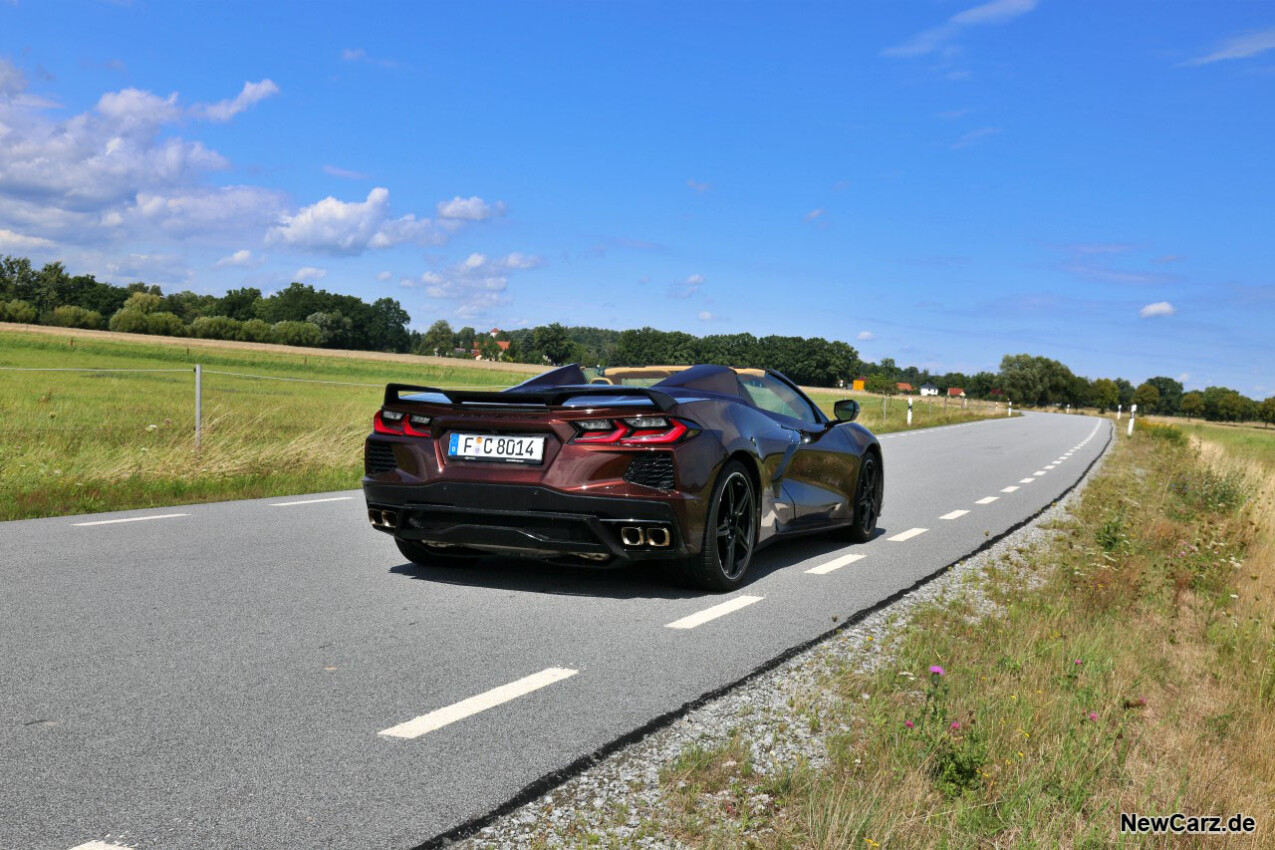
(416, 426)
(388, 422)
(634, 431)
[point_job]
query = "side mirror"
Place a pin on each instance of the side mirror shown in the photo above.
(846, 410)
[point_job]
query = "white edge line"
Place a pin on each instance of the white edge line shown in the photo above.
(954, 515)
(128, 519)
(311, 501)
(907, 535)
(824, 569)
(100, 845)
(701, 617)
(439, 718)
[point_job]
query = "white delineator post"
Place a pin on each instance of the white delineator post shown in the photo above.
(1133, 408)
(199, 403)
(1119, 408)
(1009, 409)
(909, 411)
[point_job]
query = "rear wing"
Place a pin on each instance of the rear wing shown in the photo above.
(548, 397)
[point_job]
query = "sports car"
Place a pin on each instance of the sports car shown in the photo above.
(691, 467)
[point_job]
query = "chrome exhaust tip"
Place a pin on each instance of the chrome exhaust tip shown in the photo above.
(658, 537)
(631, 535)
(374, 516)
(389, 519)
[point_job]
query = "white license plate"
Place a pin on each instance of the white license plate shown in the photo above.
(496, 447)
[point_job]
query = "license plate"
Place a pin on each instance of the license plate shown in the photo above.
(496, 447)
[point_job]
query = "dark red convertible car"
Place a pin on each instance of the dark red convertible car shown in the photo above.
(694, 467)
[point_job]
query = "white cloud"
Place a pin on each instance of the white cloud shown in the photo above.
(686, 288)
(384, 277)
(1240, 47)
(478, 283)
(814, 214)
(705, 316)
(10, 241)
(309, 274)
(973, 136)
(1159, 308)
(224, 110)
(865, 336)
(340, 227)
(469, 209)
(697, 186)
(927, 41)
(151, 268)
(133, 109)
(207, 210)
(242, 258)
(12, 81)
(353, 54)
(344, 174)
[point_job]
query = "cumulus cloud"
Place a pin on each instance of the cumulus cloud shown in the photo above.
(865, 336)
(698, 187)
(309, 274)
(1159, 308)
(469, 209)
(930, 40)
(478, 283)
(205, 210)
(243, 258)
(152, 268)
(10, 241)
(353, 54)
(814, 214)
(686, 288)
(12, 81)
(385, 277)
(705, 316)
(1241, 46)
(224, 110)
(341, 227)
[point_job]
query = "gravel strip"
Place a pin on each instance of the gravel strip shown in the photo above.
(618, 801)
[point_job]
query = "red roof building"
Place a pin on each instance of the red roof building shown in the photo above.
(955, 392)
(903, 388)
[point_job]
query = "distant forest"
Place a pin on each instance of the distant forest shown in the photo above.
(302, 315)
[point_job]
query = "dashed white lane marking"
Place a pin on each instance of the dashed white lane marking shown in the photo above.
(439, 718)
(954, 515)
(100, 845)
(713, 613)
(310, 501)
(1026, 480)
(824, 569)
(129, 519)
(907, 535)
(1010, 489)
(1050, 466)
(987, 500)
(1038, 473)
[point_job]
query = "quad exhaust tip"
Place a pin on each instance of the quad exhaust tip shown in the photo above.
(656, 536)
(383, 519)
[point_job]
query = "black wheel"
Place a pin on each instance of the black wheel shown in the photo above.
(730, 533)
(428, 556)
(867, 500)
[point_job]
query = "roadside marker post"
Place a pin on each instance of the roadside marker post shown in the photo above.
(1009, 409)
(1119, 408)
(199, 403)
(909, 411)
(1133, 408)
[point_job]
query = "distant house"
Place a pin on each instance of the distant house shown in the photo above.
(904, 388)
(955, 392)
(502, 344)
(929, 389)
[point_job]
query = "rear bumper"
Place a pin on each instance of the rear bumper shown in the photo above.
(526, 520)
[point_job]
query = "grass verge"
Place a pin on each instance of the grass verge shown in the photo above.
(1126, 666)
(76, 442)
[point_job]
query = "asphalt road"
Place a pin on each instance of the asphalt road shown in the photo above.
(220, 675)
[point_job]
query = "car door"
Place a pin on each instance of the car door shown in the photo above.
(815, 475)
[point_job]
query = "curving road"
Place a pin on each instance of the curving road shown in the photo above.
(270, 673)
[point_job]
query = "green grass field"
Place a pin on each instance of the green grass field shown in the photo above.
(81, 442)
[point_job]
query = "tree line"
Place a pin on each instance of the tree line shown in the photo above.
(300, 314)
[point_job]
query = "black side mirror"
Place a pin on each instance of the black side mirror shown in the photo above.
(846, 410)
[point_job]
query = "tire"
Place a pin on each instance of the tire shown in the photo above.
(424, 556)
(868, 491)
(730, 534)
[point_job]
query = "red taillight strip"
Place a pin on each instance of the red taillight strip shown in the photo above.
(648, 437)
(380, 426)
(603, 437)
(410, 431)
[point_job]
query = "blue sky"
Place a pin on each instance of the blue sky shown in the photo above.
(940, 182)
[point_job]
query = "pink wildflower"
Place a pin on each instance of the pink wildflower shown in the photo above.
(909, 724)
(956, 725)
(936, 670)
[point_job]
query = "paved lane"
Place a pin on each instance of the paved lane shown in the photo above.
(224, 675)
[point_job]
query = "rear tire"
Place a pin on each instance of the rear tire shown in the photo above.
(730, 534)
(426, 556)
(868, 491)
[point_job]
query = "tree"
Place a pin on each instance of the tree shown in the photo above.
(17, 311)
(1266, 412)
(1192, 404)
(488, 348)
(296, 333)
(162, 323)
(215, 327)
(254, 330)
(466, 336)
(1146, 397)
(129, 321)
(881, 384)
(1105, 394)
(144, 302)
(1170, 395)
(553, 342)
(437, 340)
(70, 316)
(239, 304)
(1126, 392)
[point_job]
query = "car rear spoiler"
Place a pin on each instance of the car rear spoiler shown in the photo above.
(549, 397)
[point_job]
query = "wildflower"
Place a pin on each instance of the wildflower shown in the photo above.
(1093, 717)
(151, 427)
(1078, 661)
(908, 724)
(936, 670)
(956, 725)
(871, 843)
